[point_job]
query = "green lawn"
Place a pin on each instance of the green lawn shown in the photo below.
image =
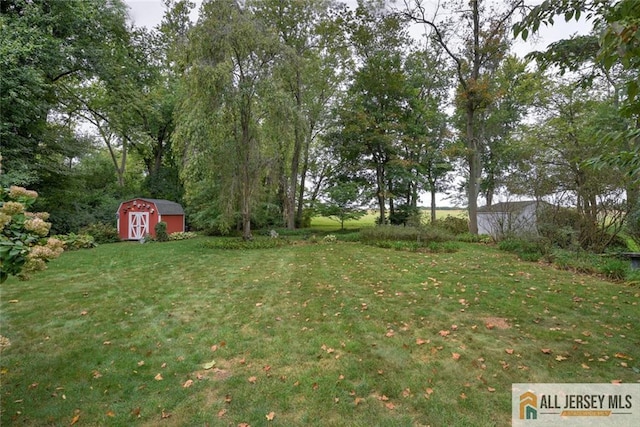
(335, 334)
(328, 224)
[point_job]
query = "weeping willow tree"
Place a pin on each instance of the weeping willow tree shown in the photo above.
(222, 110)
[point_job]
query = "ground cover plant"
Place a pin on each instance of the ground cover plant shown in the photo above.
(332, 333)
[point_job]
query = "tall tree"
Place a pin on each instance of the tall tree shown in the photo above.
(427, 134)
(219, 120)
(513, 90)
(309, 71)
(45, 44)
(612, 50)
(370, 118)
(567, 134)
(483, 29)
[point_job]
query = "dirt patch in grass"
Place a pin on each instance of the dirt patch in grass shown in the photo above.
(215, 374)
(4, 342)
(496, 322)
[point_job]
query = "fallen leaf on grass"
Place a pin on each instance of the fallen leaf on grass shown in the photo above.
(158, 377)
(390, 333)
(390, 406)
(585, 366)
(560, 358)
(444, 333)
(209, 365)
(358, 400)
(165, 414)
(84, 313)
(546, 350)
(383, 398)
(227, 398)
(252, 380)
(96, 374)
(508, 350)
(420, 341)
(623, 356)
(187, 384)
(428, 392)
(221, 413)
(491, 389)
(463, 396)
(136, 412)
(110, 414)
(75, 419)
(406, 392)
(270, 416)
(455, 356)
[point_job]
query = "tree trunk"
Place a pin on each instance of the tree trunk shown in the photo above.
(433, 202)
(299, 137)
(301, 187)
(473, 156)
(246, 175)
(474, 169)
(293, 182)
(381, 193)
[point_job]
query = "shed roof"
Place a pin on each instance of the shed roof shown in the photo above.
(166, 207)
(508, 206)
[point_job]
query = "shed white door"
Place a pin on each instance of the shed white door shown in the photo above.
(138, 225)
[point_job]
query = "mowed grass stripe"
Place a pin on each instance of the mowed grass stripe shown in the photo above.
(328, 334)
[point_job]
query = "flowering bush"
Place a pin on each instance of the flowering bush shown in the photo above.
(24, 247)
(330, 238)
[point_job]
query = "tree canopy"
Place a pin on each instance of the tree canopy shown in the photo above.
(260, 111)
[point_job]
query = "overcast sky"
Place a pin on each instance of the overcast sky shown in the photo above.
(148, 13)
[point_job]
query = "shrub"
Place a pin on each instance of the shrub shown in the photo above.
(454, 224)
(435, 234)
(241, 244)
(349, 237)
(422, 235)
(526, 249)
(330, 238)
(73, 241)
(633, 221)
(615, 268)
(405, 215)
(161, 232)
(444, 247)
(307, 215)
(24, 247)
(182, 235)
(101, 232)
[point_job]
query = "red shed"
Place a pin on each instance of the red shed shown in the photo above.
(138, 217)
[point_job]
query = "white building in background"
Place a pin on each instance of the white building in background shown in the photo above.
(509, 218)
